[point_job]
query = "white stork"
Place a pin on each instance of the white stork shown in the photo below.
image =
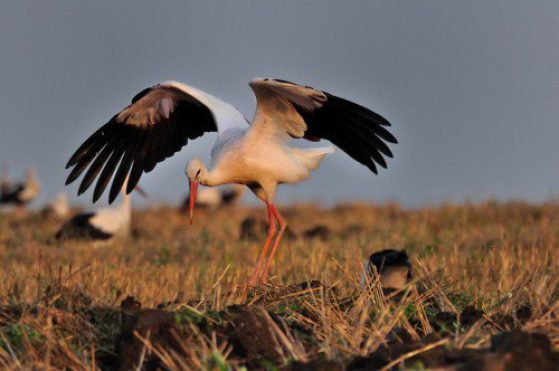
(161, 119)
(101, 225)
(21, 193)
(58, 207)
(5, 182)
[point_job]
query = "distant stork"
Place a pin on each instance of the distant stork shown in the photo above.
(5, 183)
(58, 207)
(392, 266)
(214, 198)
(101, 225)
(22, 193)
(162, 118)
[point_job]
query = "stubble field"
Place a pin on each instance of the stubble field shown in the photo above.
(484, 291)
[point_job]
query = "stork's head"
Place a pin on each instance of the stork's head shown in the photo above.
(193, 170)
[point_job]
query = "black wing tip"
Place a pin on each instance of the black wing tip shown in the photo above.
(96, 194)
(73, 160)
(95, 197)
(113, 196)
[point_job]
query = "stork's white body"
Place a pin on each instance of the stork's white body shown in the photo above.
(20, 193)
(104, 224)
(114, 220)
(58, 207)
(243, 156)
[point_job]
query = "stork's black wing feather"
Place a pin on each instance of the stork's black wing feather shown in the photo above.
(158, 123)
(356, 130)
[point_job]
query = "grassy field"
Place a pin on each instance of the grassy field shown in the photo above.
(172, 295)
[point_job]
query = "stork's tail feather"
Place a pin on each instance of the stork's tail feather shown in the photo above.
(312, 157)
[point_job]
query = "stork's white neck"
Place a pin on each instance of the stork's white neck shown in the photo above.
(211, 178)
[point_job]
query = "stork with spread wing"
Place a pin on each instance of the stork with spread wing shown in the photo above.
(163, 118)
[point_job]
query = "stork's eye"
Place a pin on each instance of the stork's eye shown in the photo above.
(198, 172)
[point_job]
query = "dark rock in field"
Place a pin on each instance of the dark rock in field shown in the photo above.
(435, 358)
(521, 316)
(524, 313)
(520, 341)
(70, 298)
(467, 318)
(253, 334)
(385, 354)
(313, 284)
(155, 325)
(288, 234)
(254, 229)
(11, 313)
(470, 315)
(130, 304)
(177, 300)
(251, 229)
(393, 267)
(315, 365)
(321, 232)
(353, 230)
(509, 351)
(517, 350)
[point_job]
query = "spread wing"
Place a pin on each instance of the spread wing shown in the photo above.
(159, 122)
(287, 110)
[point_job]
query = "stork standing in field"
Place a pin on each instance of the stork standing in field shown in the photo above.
(101, 225)
(58, 207)
(161, 119)
(5, 183)
(22, 193)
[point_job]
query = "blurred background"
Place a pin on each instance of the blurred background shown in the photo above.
(471, 88)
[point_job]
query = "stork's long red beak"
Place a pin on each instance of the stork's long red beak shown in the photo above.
(193, 194)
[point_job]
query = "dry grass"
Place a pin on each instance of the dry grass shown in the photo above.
(60, 302)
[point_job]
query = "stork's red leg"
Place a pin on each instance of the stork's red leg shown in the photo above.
(271, 231)
(282, 225)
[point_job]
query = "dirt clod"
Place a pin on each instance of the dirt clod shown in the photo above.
(253, 333)
(154, 325)
(315, 365)
(321, 232)
(253, 229)
(518, 350)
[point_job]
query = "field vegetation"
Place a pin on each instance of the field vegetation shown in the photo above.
(484, 291)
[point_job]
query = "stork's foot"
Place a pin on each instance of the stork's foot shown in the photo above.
(259, 276)
(255, 281)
